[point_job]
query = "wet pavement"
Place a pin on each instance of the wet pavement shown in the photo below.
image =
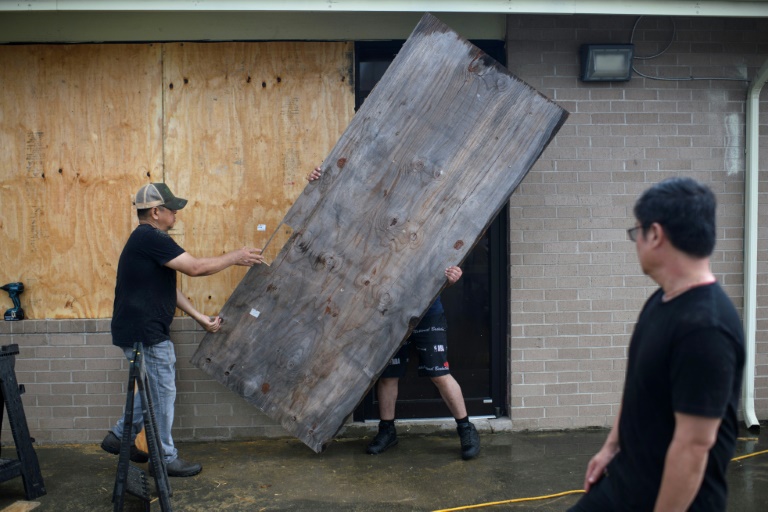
(424, 472)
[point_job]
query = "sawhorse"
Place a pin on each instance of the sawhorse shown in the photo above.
(26, 465)
(130, 478)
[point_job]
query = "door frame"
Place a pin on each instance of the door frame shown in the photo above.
(499, 283)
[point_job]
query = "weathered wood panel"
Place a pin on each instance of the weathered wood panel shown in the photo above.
(80, 132)
(244, 123)
(420, 172)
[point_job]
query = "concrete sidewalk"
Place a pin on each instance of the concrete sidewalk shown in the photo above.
(423, 473)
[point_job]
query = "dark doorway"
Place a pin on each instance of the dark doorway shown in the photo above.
(476, 306)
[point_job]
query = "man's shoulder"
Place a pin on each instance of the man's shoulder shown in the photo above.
(145, 230)
(148, 234)
(710, 308)
(148, 241)
(716, 301)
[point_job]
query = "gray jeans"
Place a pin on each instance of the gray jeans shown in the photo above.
(160, 366)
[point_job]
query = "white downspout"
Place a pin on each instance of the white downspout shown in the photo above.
(750, 244)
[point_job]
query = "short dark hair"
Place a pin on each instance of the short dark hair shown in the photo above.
(685, 209)
(143, 213)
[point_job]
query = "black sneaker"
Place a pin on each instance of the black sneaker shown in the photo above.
(111, 444)
(386, 437)
(470, 440)
(179, 467)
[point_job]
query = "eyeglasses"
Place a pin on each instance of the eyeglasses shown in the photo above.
(632, 233)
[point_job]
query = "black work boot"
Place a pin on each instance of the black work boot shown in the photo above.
(470, 440)
(180, 468)
(386, 437)
(111, 444)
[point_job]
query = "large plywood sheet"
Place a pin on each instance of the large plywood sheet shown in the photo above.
(80, 131)
(428, 160)
(232, 126)
(243, 124)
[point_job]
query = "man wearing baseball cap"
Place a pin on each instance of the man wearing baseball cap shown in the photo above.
(146, 298)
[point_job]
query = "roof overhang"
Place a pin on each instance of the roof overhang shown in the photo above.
(719, 8)
(86, 21)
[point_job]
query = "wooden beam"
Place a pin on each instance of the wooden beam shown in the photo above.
(21, 506)
(420, 172)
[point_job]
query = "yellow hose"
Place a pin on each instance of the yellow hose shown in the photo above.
(517, 500)
(748, 455)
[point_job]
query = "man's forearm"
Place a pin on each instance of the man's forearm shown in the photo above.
(611, 443)
(214, 264)
(598, 463)
(684, 468)
(191, 266)
(184, 304)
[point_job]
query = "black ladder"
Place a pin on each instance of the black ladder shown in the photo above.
(26, 465)
(130, 478)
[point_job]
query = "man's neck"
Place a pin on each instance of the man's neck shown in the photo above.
(683, 274)
(149, 223)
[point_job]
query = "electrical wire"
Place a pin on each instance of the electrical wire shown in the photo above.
(559, 494)
(671, 40)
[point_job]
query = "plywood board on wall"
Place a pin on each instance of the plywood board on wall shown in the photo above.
(418, 175)
(82, 127)
(80, 132)
(244, 125)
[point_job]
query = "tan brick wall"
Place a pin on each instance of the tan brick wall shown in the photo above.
(76, 381)
(576, 286)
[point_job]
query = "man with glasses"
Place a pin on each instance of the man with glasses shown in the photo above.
(146, 298)
(676, 429)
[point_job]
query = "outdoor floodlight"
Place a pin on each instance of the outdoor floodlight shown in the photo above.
(606, 62)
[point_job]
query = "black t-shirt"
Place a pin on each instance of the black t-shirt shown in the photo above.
(686, 356)
(145, 293)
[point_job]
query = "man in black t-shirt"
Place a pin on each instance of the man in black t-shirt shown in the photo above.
(677, 425)
(146, 298)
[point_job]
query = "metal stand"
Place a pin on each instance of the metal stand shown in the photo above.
(26, 465)
(130, 478)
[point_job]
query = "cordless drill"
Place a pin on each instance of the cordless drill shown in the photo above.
(14, 290)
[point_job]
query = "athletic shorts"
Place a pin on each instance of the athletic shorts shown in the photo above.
(431, 342)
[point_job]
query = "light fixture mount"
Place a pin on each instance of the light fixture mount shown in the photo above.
(606, 62)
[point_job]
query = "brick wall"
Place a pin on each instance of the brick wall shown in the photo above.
(576, 286)
(76, 382)
(575, 283)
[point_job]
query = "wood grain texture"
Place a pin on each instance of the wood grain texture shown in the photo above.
(243, 124)
(80, 127)
(418, 175)
(231, 126)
